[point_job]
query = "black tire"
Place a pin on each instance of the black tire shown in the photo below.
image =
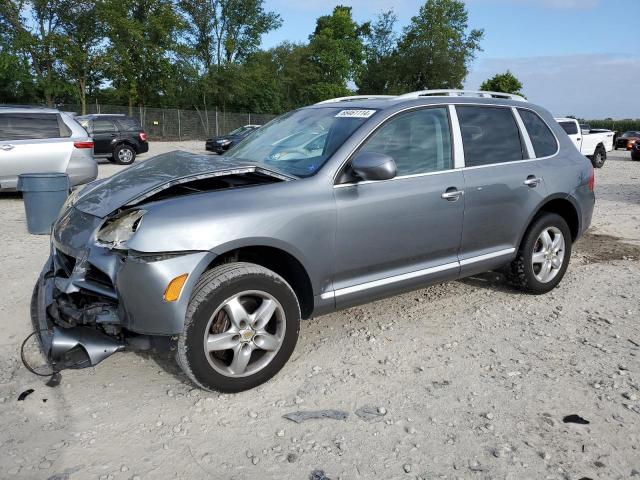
(124, 154)
(521, 272)
(209, 295)
(599, 157)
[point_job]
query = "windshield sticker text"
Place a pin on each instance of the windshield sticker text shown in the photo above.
(355, 113)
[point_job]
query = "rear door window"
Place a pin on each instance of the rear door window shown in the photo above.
(29, 126)
(570, 127)
(543, 141)
(489, 135)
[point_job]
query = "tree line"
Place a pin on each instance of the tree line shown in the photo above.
(191, 53)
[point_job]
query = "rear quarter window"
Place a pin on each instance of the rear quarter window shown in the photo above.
(30, 126)
(543, 141)
(489, 135)
(129, 124)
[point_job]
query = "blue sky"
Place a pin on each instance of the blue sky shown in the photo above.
(573, 56)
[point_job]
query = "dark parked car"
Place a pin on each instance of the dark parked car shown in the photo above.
(117, 137)
(628, 139)
(635, 151)
(225, 142)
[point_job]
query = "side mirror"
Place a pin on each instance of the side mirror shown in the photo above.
(373, 166)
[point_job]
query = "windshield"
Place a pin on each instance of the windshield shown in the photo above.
(300, 142)
(630, 134)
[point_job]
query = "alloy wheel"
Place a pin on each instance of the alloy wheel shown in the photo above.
(245, 333)
(125, 155)
(548, 254)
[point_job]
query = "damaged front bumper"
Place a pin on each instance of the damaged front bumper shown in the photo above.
(88, 298)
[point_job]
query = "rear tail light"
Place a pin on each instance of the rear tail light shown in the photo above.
(143, 136)
(88, 144)
(592, 179)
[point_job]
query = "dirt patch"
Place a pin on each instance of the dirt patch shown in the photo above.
(598, 248)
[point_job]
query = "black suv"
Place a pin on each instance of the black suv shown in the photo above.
(117, 137)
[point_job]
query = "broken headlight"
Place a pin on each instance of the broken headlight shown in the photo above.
(116, 232)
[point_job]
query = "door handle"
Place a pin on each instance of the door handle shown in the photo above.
(6, 147)
(532, 181)
(452, 194)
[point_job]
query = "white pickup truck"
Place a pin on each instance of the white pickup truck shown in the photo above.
(594, 145)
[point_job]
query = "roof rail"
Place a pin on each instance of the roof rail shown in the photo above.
(355, 97)
(25, 106)
(462, 93)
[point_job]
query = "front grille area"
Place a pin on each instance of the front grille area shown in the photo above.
(66, 262)
(94, 275)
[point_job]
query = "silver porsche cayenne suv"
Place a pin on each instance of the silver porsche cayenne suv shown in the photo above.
(325, 207)
(43, 140)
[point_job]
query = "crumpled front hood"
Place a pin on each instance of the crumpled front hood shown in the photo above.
(153, 175)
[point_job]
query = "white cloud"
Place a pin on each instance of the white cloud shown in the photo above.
(590, 86)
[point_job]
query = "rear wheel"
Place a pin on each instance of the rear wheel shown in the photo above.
(124, 154)
(241, 327)
(599, 157)
(543, 255)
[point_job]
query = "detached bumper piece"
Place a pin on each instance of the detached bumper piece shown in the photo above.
(80, 347)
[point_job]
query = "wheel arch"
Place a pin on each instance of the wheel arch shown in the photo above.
(126, 142)
(563, 205)
(276, 259)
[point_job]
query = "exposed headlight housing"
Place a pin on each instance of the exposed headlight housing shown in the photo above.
(116, 232)
(224, 142)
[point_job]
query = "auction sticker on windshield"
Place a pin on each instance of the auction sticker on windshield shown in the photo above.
(355, 113)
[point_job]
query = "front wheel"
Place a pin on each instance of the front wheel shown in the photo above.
(241, 327)
(124, 155)
(543, 256)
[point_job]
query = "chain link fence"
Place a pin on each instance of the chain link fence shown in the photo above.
(172, 124)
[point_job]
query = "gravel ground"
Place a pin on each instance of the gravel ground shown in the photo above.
(469, 379)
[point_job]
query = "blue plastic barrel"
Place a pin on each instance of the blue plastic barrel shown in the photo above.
(43, 195)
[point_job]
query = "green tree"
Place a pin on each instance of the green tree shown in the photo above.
(35, 29)
(16, 82)
(436, 48)
(223, 31)
(143, 47)
(81, 47)
(502, 82)
(336, 50)
(376, 75)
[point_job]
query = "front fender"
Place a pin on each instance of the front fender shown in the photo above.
(141, 285)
